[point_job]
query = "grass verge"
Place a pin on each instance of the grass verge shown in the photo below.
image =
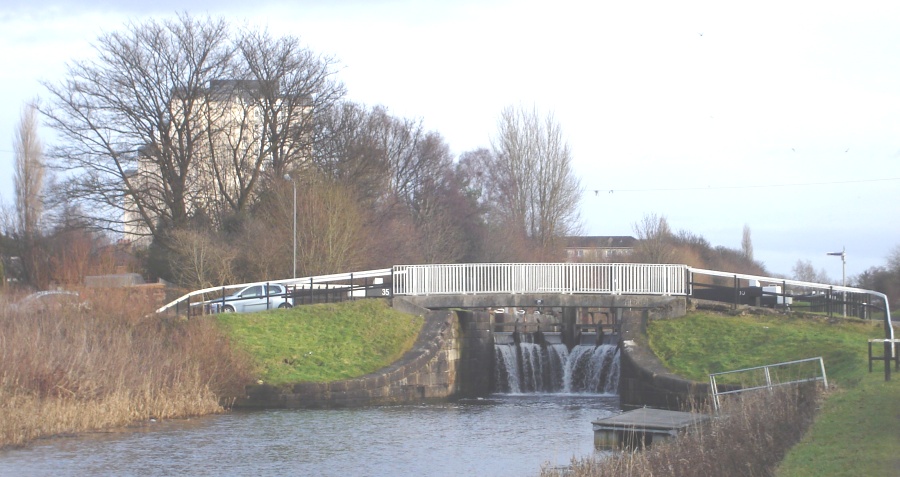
(857, 433)
(324, 342)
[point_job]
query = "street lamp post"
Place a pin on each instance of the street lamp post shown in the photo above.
(294, 189)
(843, 255)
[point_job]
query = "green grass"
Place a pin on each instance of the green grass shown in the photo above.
(858, 431)
(699, 344)
(322, 343)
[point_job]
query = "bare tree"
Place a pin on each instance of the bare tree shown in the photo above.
(805, 272)
(445, 216)
(885, 279)
(74, 252)
(29, 173)
(297, 87)
(345, 151)
(134, 120)
(270, 131)
(655, 240)
(28, 180)
(893, 260)
(330, 229)
(181, 119)
(201, 259)
(403, 176)
(747, 243)
(532, 167)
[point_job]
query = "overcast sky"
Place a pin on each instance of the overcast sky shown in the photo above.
(784, 116)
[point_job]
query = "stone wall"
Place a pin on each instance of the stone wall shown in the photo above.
(431, 370)
(476, 366)
(644, 381)
(453, 357)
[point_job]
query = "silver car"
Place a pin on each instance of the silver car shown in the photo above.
(255, 298)
(52, 300)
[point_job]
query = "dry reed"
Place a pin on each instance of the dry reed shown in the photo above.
(69, 369)
(749, 438)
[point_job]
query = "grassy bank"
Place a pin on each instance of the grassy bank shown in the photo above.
(73, 369)
(857, 431)
(322, 342)
(699, 344)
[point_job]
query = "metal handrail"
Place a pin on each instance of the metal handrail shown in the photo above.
(888, 326)
(298, 283)
(769, 384)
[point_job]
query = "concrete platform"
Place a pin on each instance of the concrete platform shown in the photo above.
(641, 427)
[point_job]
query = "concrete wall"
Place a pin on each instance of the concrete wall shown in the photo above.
(431, 370)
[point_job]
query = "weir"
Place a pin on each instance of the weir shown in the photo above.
(539, 362)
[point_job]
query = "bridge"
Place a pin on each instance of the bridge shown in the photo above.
(535, 285)
(511, 284)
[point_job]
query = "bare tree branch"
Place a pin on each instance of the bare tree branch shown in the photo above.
(532, 170)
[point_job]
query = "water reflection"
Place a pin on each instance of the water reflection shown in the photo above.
(502, 435)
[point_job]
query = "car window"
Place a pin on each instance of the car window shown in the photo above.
(276, 290)
(252, 292)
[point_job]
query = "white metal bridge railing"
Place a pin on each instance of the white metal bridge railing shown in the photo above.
(520, 278)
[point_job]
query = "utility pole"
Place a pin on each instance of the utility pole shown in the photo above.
(843, 255)
(294, 184)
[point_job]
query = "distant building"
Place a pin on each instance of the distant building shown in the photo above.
(233, 127)
(612, 248)
(117, 280)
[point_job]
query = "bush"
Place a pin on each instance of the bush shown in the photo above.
(109, 364)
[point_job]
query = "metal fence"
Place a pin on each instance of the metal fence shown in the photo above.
(519, 278)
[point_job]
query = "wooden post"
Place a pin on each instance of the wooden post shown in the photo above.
(783, 295)
(870, 356)
(888, 349)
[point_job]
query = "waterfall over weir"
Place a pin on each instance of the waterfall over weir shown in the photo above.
(528, 367)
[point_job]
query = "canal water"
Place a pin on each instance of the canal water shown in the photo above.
(500, 435)
(540, 416)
